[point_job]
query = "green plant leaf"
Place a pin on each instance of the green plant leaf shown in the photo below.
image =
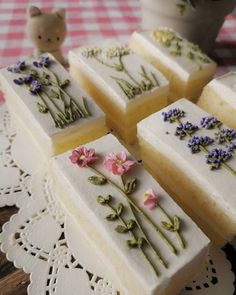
(131, 224)
(120, 209)
(121, 229)
(97, 180)
(130, 186)
(103, 201)
(167, 226)
(132, 244)
(176, 223)
(141, 241)
(42, 108)
(112, 217)
(65, 83)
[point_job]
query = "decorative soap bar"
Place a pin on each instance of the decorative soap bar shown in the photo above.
(125, 86)
(183, 63)
(147, 242)
(192, 154)
(219, 98)
(50, 106)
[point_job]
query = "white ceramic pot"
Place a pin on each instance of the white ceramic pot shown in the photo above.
(200, 25)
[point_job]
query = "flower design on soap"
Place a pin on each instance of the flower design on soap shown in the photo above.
(43, 61)
(83, 156)
(185, 129)
(18, 67)
(151, 199)
(225, 135)
(210, 122)
(217, 157)
(35, 87)
(196, 143)
(173, 115)
(118, 163)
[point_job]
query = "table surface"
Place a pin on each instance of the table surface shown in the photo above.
(87, 21)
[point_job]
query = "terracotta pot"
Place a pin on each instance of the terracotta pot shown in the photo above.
(200, 25)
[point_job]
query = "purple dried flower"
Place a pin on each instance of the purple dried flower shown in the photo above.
(210, 122)
(185, 129)
(173, 115)
(225, 135)
(18, 67)
(43, 61)
(35, 87)
(231, 147)
(18, 81)
(195, 143)
(216, 157)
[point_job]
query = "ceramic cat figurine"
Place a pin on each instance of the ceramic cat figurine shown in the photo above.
(47, 31)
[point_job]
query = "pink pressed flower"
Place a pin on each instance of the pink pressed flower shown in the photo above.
(151, 199)
(118, 163)
(83, 156)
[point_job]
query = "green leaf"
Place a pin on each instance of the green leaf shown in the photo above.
(103, 201)
(121, 229)
(120, 209)
(42, 108)
(132, 244)
(141, 241)
(167, 226)
(131, 224)
(176, 223)
(130, 186)
(112, 217)
(64, 83)
(54, 93)
(97, 180)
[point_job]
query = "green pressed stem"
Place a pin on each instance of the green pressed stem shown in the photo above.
(127, 72)
(179, 237)
(157, 229)
(135, 238)
(55, 105)
(104, 63)
(230, 169)
(156, 253)
(45, 103)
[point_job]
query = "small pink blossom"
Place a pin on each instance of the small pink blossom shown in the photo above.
(151, 199)
(83, 156)
(118, 163)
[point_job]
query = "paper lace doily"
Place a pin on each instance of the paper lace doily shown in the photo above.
(46, 243)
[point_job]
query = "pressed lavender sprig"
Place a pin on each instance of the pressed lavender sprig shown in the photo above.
(38, 82)
(217, 157)
(196, 143)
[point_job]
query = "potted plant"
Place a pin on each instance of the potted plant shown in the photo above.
(197, 20)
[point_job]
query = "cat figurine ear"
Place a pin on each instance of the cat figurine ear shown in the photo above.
(46, 31)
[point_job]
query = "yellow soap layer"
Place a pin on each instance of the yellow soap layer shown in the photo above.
(196, 203)
(211, 102)
(178, 87)
(124, 123)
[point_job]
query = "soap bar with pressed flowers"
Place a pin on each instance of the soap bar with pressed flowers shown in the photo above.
(49, 105)
(124, 85)
(183, 63)
(219, 98)
(192, 154)
(145, 240)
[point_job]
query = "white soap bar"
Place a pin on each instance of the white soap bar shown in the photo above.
(206, 191)
(131, 271)
(219, 98)
(178, 59)
(124, 85)
(50, 105)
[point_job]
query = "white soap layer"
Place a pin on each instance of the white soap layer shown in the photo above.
(219, 185)
(225, 87)
(80, 195)
(24, 105)
(183, 66)
(101, 74)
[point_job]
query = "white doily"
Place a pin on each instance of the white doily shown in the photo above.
(45, 242)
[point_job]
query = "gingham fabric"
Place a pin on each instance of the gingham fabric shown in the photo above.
(90, 20)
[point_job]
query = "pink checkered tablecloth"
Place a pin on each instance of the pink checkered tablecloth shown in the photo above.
(89, 20)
